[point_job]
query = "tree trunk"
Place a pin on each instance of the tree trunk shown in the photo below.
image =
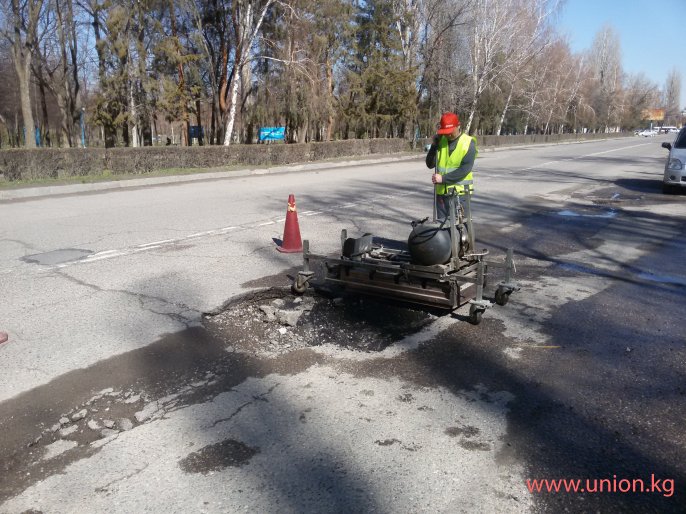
(502, 115)
(472, 111)
(232, 109)
(45, 122)
(198, 118)
(213, 121)
(329, 92)
(74, 93)
(133, 117)
(22, 65)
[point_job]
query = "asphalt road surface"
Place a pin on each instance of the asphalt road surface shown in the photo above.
(148, 368)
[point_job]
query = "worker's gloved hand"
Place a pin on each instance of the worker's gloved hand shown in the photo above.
(436, 138)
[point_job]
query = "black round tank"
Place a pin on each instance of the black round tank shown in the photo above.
(429, 244)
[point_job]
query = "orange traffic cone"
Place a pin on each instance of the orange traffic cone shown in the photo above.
(3, 337)
(292, 243)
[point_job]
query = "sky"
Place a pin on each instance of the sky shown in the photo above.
(651, 33)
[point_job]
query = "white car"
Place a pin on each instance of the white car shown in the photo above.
(648, 133)
(675, 169)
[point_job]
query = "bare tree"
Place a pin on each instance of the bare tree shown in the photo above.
(22, 32)
(672, 95)
(606, 63)
(247, 17)
(640, 93)
(531, 35)
(56, 67)
(490, 49)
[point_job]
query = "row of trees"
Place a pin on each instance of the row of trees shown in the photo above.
(324, 69)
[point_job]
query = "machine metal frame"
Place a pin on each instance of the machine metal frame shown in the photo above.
(370, 268)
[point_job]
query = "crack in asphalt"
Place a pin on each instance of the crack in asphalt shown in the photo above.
(187, 321)
(23, 244)
(106, 487)
(260, 397)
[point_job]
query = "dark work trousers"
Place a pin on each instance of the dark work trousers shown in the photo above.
(442, 203)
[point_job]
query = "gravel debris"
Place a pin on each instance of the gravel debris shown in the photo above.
(79, 415)
(148, 411)
(274, 321)
(58, 448)
(125, 424)
(68, 431)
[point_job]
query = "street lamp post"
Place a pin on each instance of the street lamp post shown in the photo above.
(83, 129)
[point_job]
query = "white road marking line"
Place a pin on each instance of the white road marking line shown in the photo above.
(586, 155)
(156, 243)
(538, 165)
(614, 150)
(200, 234)
(141, 249)
(98, 257)
(264, 224)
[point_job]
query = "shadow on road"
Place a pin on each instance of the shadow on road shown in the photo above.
(584, 410)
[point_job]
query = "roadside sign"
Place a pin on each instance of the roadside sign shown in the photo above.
(272, 133)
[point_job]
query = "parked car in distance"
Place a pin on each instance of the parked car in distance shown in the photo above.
(675, 172)
(648, 133)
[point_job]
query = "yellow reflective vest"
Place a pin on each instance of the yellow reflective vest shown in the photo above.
(446, 163)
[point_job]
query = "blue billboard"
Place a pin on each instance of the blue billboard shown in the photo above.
(272, 133)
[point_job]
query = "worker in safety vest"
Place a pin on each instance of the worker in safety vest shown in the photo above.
(452, 154)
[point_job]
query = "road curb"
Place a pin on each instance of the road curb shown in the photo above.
(69, 189)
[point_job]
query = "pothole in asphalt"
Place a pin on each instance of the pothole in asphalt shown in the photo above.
(216, 457)
(57, 256)
(274, 321)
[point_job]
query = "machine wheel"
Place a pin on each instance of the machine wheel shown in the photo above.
(501, 296)
(298, 288)
(670, 189)
(475, 315)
